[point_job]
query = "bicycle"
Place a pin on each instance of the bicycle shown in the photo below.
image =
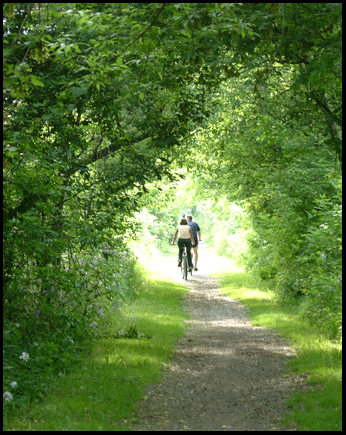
(184, 265)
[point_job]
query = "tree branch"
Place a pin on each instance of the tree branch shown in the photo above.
(109, 149)
(150, 25)
(325, 107)
(21, 27)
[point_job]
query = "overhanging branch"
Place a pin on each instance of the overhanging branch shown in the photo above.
(150, 25)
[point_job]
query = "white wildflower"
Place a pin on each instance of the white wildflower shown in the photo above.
(14, 384)
(7, 396)
(24, 356)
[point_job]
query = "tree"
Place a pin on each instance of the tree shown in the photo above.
(282, 168)
(98, 99)
(92, 114)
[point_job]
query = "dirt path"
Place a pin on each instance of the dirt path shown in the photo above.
(226, 375)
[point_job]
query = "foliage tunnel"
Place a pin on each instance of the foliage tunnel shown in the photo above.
(105, 103)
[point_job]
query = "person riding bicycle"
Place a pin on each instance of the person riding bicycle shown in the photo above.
(196, 231)
(185, 238)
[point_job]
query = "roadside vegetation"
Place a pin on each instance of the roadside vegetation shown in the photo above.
(54, 329)
(102, 391)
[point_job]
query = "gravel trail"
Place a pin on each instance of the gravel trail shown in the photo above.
(226, 375)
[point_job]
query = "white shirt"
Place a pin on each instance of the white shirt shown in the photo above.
(184, 232)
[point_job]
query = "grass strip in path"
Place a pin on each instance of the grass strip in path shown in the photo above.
(319, 409)
(103, 392)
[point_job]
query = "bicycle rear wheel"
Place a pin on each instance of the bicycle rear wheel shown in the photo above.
(184, 267)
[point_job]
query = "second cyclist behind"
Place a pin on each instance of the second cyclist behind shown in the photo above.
(196, 231)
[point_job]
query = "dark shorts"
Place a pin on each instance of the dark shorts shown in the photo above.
(196, 243)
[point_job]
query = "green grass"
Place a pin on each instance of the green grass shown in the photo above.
(319, 359)
(103, 392)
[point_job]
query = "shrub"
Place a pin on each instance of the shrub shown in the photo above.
(47, 328)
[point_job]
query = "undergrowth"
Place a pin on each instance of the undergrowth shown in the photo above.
(102, 391)
(53, 326)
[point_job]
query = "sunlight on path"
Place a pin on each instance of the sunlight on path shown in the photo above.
(208, 263)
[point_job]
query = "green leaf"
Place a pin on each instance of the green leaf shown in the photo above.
(78, 91)
(10, 149)
(35, 80)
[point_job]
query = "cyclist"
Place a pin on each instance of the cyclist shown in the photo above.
(185, 238)
(196, 231)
